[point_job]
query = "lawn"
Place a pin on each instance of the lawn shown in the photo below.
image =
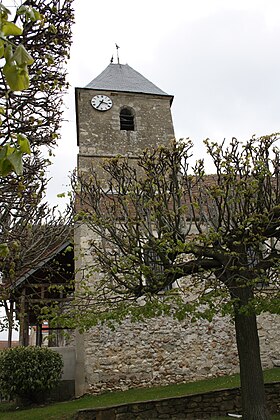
(66, 410)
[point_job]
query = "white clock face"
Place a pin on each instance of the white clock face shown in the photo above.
(101, 102)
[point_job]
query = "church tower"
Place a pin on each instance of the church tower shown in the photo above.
(120, 112)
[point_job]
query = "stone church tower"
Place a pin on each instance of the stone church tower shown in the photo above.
(121, 112)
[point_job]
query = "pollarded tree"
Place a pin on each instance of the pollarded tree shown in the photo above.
(159, 221)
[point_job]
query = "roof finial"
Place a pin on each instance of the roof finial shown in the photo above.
(117, 48)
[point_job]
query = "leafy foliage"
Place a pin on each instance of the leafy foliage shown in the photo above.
(34, 45)
(26, 372)
(16, 56)
(16, 75)
(154, 223)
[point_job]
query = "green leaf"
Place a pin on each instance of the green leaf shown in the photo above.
(16, 160)
(2, 48)
(3, 152)
(9, 28)
(5, 167)
(53, 29)
(22, 10)
(8, 53)
(21, 56)
(50, 59)
(69, 249)
(30, 13)
(4, 250)
(9, 149)
(37, 15)
(4, 10)
(17, 77)
(24, 144)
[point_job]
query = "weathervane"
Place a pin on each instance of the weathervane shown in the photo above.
(112, 58)
(117, 48)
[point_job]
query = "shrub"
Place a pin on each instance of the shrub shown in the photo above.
(29, 372)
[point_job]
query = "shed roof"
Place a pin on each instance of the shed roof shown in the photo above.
(51, 253)
(123, 78)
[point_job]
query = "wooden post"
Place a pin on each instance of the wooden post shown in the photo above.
(23, 321)
(39, 335)
(26, 331)
(9, 310)
(10, 323)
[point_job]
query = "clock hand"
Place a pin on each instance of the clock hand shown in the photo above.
(101, 102)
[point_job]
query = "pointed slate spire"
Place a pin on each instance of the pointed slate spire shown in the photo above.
(123, 78)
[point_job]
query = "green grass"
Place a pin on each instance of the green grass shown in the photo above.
(66, 410)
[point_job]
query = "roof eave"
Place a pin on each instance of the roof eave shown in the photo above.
(165, 95)
(28, 273)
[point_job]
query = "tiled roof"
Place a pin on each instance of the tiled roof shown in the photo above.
(123, 78)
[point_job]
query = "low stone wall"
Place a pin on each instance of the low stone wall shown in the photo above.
(163, 350)
(216, 403)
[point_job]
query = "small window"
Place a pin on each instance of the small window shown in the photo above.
(126, 119)
(153, 261)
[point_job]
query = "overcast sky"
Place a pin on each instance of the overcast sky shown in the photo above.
(219, 58)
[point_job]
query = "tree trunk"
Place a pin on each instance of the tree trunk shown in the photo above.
(251, 375)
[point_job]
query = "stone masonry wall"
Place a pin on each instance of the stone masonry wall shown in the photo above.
(100, 134)
(200, 406)
(163, 351)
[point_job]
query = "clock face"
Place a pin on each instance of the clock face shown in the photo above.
(101, 102)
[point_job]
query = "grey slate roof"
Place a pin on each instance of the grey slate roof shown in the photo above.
(123, 78)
